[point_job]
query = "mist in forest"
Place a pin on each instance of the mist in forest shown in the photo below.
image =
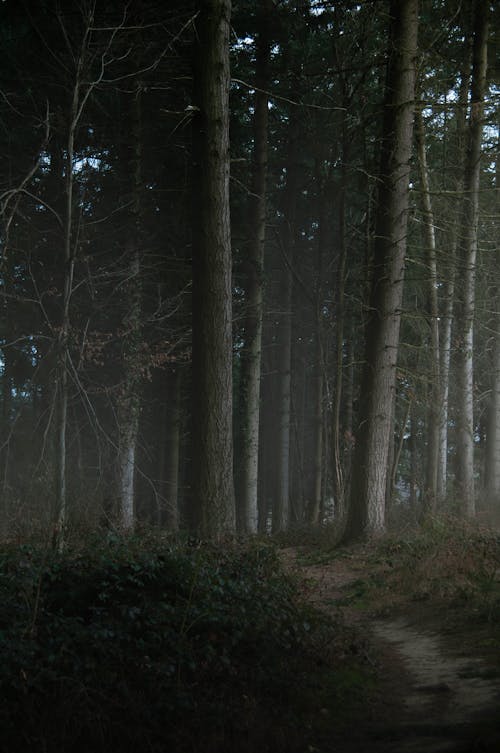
(249, 274)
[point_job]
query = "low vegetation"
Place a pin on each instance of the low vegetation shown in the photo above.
(450, 561)
(138, 645)
(447, 562)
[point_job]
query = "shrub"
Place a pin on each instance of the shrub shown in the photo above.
(117, 647)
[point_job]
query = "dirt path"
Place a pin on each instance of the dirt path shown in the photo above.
(436, 693)
(449, 702)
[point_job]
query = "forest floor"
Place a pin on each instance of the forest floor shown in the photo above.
(295, 645)
(426, 627)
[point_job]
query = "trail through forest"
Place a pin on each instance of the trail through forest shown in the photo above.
(437, 680)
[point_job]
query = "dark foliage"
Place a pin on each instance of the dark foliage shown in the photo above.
(121, 648)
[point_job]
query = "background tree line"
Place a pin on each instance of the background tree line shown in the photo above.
(297, 324)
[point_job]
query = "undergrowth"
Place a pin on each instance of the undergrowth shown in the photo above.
(450, 560)
(446, 560)
(132, 647)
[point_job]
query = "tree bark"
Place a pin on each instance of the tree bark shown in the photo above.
(492, 475)
(434, 392)
(366, 516)
(81, 91)
(171, 453)
(493, 436)
(213, 490)
(468, 255)
(339, 485)
(252, 354)
(447, 317)
(129, 399)
(281, 506)
(64, 327)
(318, 425)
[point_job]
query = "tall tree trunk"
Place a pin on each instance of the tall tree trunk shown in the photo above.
(317, 486)
(492, 481)
(213, 489)
(337, 433)
(319, 431)
(169, 477)
(62, 367)
(6, 418)
(444, 371)
(281, 506)
(349, 408)
(366, 516)
(318, 424)
(434, 392)
(129, 398)
(414, 475)
(468, 254)
(397, 451)
(492, 474)
(251, 356)
(392, 458)
(81, 91)
(267, 428)
(447, 316)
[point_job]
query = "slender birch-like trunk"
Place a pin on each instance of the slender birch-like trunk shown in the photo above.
(492, 479)
(319, 430)
(447, 317)
(169, 475)
(129, 398)
(81, 91)
(281, 506)
(337, 432)
(316, 491)
(492, 485)
(468, 256)
(435, 391)
(64, 327)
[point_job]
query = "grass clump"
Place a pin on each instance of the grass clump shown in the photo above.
(447, 560)
(450, 560)
(118, 647)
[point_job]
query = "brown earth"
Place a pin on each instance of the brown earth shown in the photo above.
(437, 685)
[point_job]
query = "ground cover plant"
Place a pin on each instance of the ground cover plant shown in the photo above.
(451, 560)
(447, 563)
(134, 645)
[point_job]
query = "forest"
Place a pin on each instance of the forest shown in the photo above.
(253, 299)
(249, 376)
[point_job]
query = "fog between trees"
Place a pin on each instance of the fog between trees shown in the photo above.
(249, 264)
